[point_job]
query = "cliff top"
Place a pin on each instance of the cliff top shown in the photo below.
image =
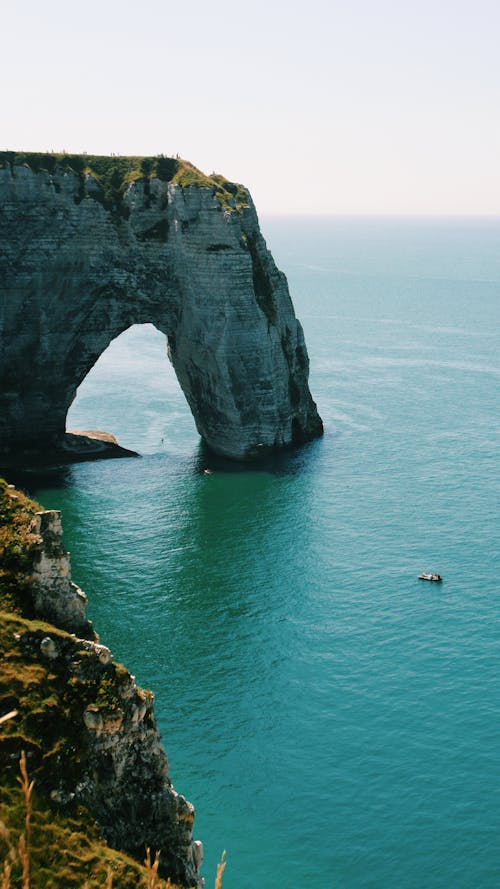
(115, 172)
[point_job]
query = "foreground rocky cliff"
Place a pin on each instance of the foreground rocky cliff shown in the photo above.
(91, 245)
(89, 732)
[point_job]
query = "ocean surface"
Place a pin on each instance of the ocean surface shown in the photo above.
(334, 720)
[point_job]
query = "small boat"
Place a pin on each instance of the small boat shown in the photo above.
(435, 577)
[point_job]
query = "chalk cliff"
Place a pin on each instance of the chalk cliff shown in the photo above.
(92, 245)
(88, 730)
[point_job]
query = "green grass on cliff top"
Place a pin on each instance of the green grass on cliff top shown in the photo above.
(115, 173)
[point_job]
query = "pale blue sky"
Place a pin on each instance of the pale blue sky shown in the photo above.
(318, 107)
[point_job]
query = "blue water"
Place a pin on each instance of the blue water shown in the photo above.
(334, 720)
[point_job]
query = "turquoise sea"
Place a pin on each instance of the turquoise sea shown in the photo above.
(334, 720)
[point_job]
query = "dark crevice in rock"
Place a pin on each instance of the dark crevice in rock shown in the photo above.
(218, 248)
(156, 232)
(262, 285)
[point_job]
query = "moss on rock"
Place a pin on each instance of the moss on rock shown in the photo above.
(113, 175)
(19, 545)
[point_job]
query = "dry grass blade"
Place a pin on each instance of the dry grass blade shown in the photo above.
(25, 839)
(10, 859)
(152, 881)
(220, 870)
(25, 861)
(5, 884)
(109, 879)
(8, 716)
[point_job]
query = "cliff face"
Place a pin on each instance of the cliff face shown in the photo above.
(78, 267)
(89, 732)
(55, 596)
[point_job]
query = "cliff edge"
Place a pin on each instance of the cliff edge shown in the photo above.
(91, 245)
(88, 731)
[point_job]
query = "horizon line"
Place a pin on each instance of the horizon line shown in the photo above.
(407, 214)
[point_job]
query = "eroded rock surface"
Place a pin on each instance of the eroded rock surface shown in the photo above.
(55, 596)
(89, 731)
(74, 274)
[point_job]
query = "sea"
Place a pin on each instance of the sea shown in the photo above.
(334, 720)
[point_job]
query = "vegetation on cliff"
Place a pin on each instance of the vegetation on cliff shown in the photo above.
(113, 174)
(18, 545)
(51, 682)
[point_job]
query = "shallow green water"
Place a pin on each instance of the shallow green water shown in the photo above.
(334, 720)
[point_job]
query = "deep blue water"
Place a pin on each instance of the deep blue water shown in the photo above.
(334, 720)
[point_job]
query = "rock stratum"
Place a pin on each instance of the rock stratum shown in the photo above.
(90, 245)
(88, 731)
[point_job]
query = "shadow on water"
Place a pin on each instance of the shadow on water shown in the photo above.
(182, 554)
(200, 566)
(286, 462)
(63, 476)
(36, 478)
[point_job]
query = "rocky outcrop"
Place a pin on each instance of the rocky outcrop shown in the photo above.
(79, 264)
(55, 596)
(89, 731)
(121, 771)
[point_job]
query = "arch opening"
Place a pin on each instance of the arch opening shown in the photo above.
(132, 392)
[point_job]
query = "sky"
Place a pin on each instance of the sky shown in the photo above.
(318, 107)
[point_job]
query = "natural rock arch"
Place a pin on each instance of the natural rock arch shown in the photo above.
(76, 270)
